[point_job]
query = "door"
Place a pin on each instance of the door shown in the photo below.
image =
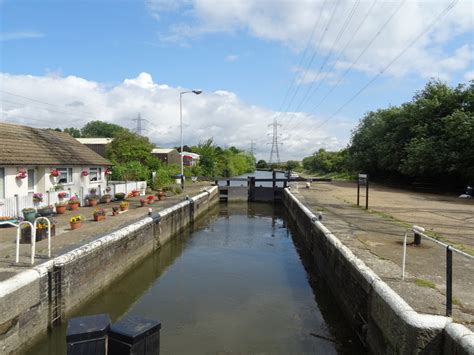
(31, 182)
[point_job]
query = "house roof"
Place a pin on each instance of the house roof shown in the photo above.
(23, 145)
(192, 155)
(162, 150)
(94, 140)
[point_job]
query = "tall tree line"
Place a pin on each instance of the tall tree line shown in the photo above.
(429, 139)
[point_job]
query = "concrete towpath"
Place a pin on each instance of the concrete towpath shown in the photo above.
(67, 239)
(376, 237)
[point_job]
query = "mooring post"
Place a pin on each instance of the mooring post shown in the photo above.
(449, 281)
(228, 182)
(273, 179)
(135, 335)
(416, 238)
(252, 189)
(88, 335)
(358, 192)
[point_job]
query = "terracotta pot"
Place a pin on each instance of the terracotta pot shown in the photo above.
(73, 206)
(60, 209)
(92, 202)
(75, 225)
(115, 213)
(123, 208)
(142, 203)
(99, 218)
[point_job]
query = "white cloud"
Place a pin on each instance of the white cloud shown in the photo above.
(220, 114)
(232, 58)
(469, 75)
(10, 36)
(291, 23)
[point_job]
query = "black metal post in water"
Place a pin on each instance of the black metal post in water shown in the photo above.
(228, 182)
(449, 281)
(252, 189)
(88, 335)
(273, 178)
(135, 335)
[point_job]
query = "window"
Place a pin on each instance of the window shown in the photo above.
(65, 175)
(2, 183)
(95, 174)
(31, 179)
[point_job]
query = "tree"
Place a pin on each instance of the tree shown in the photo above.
(292, 164)
(74, 132)
(262, 164)
(95, 129)
(128, 146)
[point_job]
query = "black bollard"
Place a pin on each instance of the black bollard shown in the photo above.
(134, 335)
(88, 335)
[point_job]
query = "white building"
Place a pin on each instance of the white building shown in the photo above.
(190, 159)
(29, 157)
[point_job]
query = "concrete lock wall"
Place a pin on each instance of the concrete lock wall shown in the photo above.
(27, 299)
(381, 318)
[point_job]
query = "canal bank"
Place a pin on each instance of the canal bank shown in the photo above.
(31, 301)
(382, 319)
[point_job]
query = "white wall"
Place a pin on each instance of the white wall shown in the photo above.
(44, 181)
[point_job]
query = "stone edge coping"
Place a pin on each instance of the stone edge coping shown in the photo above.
(23, 278)
(458, 332)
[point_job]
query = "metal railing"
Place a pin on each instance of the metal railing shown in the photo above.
(418, 234)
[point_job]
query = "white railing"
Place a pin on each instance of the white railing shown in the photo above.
(125, 186)
(12, 206)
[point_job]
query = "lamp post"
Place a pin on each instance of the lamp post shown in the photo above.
(196, 92)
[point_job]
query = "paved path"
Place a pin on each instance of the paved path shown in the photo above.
(67, 239)
(376, 236)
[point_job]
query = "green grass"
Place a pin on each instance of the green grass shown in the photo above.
(425, 283)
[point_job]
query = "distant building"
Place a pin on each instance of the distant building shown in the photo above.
(98, 145)
(190, 159)
(167, 155)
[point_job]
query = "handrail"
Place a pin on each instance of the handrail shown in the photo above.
(49, 235)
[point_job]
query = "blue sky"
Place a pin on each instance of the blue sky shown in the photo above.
(243, 54)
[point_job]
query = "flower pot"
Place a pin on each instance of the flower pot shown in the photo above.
(75, 225)
(99, 218)
(92, 202)
(45, 212)
(123, 208)
(142, 204)
(115, 213)
(40, 234)
(73, 206)
(29, 216)
(106, 200)
(161, 197)
(61, 209)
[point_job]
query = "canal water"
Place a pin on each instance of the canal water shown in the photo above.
(235, 283)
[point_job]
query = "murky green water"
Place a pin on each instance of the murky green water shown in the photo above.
(235, 284)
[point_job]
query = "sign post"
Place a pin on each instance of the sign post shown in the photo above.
(363, 179)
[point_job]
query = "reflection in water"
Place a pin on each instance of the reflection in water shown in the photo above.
(235, 285)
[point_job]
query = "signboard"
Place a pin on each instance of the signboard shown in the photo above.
(362, 179)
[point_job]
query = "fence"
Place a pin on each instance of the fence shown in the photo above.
(126, 186)
(418, 235)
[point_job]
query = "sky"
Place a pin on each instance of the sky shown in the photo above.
(316, 66)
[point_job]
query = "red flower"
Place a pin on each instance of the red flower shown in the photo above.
(54, 172)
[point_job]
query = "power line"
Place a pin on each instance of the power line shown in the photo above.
(139, 120)
(421, 34)
(252, 147)
(354, 33)
(41, 108)
(323, 64)
(308, 43)
(42, 102)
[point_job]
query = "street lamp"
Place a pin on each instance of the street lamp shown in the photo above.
(196, 92)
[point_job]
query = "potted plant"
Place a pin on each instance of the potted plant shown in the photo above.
(75, 222)
(106, 198)
(29, 214)
(123, 205)
(73, 203)
(99, 214)
(119, 196)
(161, 195)
(46, 211)
(61, 207)
(54, 172)
(37, 197)
(92, 197)
(135, 192)
(41, 230)
(21, 174)
(115, 211)
(62, 195)
(150, 199)
(142, 202)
